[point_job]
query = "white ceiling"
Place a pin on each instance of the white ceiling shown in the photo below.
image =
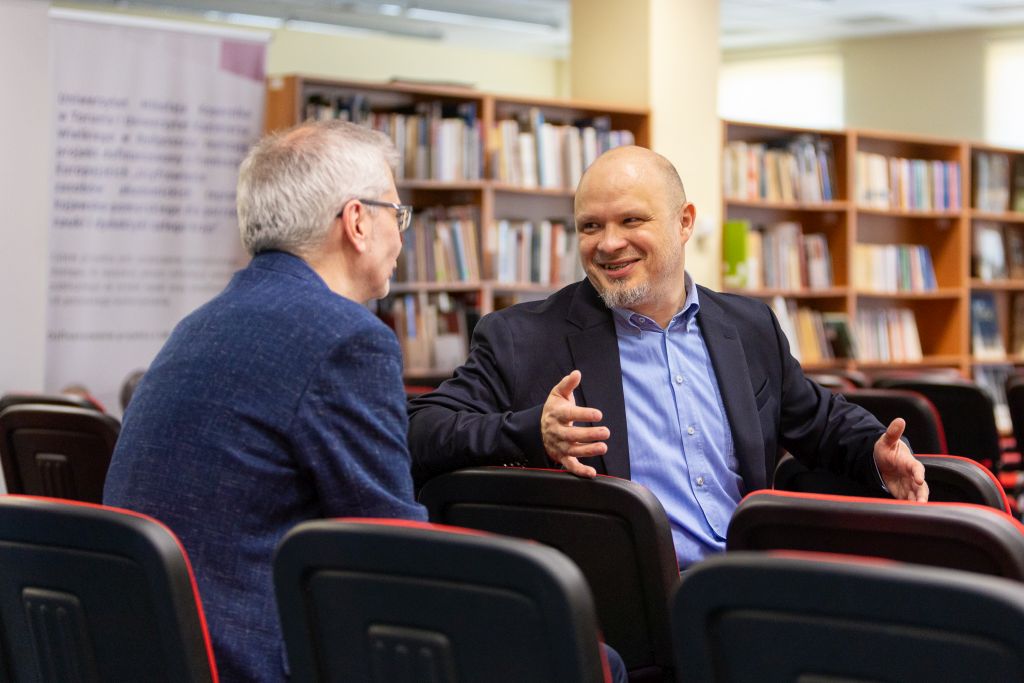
(542, 26)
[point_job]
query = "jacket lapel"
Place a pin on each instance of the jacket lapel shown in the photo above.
(595, 353)
(730, 363)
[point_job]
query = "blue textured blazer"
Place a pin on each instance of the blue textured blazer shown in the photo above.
(276, 402)
(489, 412)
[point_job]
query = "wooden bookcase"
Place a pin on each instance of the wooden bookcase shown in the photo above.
(489, 198)
(862, 227)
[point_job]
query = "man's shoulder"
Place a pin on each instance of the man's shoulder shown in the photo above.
(735, 307)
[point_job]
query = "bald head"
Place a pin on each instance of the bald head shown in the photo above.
(632, 164)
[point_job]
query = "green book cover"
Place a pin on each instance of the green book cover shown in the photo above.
(734, 252)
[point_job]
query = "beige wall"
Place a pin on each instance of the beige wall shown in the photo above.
(931, 84)
(684, 117)
(24, 191)
(382, 58)
(663, 55)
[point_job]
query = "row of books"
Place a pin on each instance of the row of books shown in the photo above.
(799, 169)
(778, 256)
(441, 246)
(532, 152)
(815, 336)
(998, 251)
(435, 140)
(542, 252)
(997, 187)
(887, 336)
(907, 184)
(433, 331)
(893, 268)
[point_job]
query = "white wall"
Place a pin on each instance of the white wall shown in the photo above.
(24, 191)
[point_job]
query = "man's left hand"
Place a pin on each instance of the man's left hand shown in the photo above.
(902, 473)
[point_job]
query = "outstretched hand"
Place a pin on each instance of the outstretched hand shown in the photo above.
(902, 473)
(564, 442)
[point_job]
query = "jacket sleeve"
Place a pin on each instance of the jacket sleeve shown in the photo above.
(350, 429)
(469, 420)
(822, 429)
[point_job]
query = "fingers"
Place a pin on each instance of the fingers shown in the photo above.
(568, 384)
(894, 431)
(574, 466)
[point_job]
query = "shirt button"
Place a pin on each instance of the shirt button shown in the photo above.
(700, 481)
(679, 379)
(690, 430)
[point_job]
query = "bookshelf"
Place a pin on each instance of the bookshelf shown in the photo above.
(491, 178)
(892, 210)
(997, 255)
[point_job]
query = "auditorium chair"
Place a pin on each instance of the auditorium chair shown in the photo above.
(616, 531)
(56, 451)
(974, 538)
(72, 400)
(754, 617)
(1015, 402)
(94, 593)
(955, 479)
(966, 412)
(924, 429)
(389, 601)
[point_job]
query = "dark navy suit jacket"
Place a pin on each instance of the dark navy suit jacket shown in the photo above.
(276, 402)
(489, 412)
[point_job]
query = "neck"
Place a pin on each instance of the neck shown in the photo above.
(332, 270)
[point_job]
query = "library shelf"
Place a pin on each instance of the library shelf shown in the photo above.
(879, 198)
(470, 160)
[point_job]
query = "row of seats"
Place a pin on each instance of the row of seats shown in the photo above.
(95, 593)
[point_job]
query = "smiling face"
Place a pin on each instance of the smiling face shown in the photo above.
(633, 222)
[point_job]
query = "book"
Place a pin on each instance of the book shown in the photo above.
(989, 259)
(734, 253)
(840, 337)
(986, 336)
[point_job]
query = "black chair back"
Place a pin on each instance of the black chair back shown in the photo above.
(1015, 402)
(91, 593)
(56, 451)
(953, 535)
(924, 428)
(966, 411)
(753, 617)
(614, 530)
(72, 400)
(955, 479)
(386, 601)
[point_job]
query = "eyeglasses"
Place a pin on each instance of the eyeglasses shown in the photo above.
(403, 212)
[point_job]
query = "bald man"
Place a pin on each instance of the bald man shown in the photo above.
(640, 373)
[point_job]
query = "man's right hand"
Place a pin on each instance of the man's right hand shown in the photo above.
(565, 443)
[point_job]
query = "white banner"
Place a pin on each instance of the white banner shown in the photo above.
(150, 122)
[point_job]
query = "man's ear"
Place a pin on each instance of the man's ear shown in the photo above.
(687, 219)
(353, 224)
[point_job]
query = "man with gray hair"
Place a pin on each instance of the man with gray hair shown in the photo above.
(280, 400)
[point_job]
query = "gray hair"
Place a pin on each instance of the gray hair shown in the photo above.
(292, 184)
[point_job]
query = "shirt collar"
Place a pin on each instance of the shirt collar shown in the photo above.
(638, 321)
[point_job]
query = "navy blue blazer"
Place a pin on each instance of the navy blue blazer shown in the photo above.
(489, 411)
(276, 402)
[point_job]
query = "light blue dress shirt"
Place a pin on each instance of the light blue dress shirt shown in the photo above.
(680, 444)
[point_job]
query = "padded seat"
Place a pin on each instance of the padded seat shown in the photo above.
(954, 535)
(94, 593)
(56, 451)
(754, 617)
(616, 531)
(387, 601)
